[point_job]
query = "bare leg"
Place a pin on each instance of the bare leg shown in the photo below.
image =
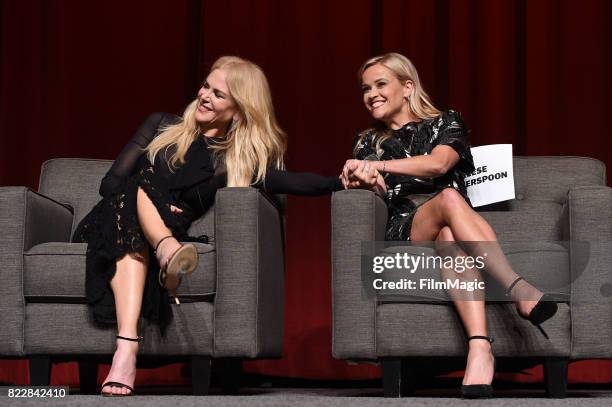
(155, 229)
(449, 208)
(479, 368)
(128, 286)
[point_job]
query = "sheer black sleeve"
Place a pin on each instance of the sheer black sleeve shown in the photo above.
(126, 162)
(299, 183)
(202, 196)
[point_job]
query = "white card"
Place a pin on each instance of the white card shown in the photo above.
(493, 180)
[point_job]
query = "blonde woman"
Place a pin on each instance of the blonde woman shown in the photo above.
(162, 181)
(416, 149)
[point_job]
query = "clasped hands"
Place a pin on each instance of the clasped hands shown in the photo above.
(362, 174)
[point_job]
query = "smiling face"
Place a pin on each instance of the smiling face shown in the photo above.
(216, 107)
(385, 96)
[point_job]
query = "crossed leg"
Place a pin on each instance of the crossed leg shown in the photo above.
(128, 288)
(445, 218)
(448, 208)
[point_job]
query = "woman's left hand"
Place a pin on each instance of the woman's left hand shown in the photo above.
(361, 174)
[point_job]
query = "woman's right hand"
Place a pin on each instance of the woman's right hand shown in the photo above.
(349, 167)
(175, 209)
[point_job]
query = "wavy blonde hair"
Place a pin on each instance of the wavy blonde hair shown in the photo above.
(181, 135)
(419, 102)
(254, 140)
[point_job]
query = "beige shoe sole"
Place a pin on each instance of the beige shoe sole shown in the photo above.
(183, 262)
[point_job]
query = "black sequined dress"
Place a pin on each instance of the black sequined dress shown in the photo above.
(405, 194)
(111, 229)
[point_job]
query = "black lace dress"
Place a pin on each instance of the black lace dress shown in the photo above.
(111, 229)
(417, 138)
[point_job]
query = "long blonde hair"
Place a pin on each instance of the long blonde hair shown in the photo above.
(254, 139)
(419, 102)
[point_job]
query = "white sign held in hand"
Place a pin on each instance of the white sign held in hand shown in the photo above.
(493, 180)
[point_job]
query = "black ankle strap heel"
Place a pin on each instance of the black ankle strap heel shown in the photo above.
(158, 243)
(478, 391)
(515, 282)
(486, 338)
(545, 309)
(118, 384)
(137, 339)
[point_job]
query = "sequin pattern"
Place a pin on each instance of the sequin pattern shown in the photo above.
(406, 193)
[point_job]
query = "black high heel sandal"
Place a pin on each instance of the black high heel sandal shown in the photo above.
(478, 391)
(118, 384)
(182, 263)
(545, 309)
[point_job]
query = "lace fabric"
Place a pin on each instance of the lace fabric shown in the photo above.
(112, 231)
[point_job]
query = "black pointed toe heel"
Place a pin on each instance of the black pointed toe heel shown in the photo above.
(545, 309)
(117, 384)
(478, 391)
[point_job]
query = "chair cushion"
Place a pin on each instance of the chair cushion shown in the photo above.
(541, 186)
(549, 178)
(528, 221)
(56, 272)
(74, 182)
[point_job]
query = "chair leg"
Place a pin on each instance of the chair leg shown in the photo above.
(88, 376)
(555, 376)
(230, 374)
(40, 370)
(200, 375)
(398, 378)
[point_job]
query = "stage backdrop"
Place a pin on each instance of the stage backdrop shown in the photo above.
(76, 79)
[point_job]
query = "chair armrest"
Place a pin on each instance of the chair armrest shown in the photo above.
(357, 216)
(590, 231)
(249, 300)
(26, 219)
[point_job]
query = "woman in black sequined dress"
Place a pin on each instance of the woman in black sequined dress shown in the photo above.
(416, 157)
(163, 180)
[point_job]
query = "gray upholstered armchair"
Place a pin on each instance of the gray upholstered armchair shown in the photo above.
(232, 305)
(558, 199)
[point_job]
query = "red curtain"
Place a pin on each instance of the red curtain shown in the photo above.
(77, 78)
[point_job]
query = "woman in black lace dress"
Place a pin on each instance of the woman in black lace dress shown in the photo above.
(415, 150)
(161, 182)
